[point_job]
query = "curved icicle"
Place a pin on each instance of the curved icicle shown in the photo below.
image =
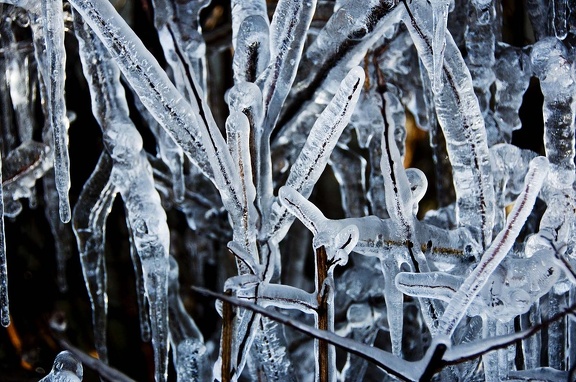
(89, 223)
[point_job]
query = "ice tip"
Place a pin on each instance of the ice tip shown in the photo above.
(5, 320)
(357, 72)
(540, 164)
(64, 211)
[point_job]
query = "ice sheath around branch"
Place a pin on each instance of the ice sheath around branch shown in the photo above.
(322, 139)
(503, 242)
(459, 115)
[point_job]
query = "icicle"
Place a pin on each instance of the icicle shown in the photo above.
(498, 249)
(349, 169)
(187, 341)
(89, 223)
(66, 368)
(54, 74)
(512, 69)
(132, 175)
(439, 21)
(480, 40)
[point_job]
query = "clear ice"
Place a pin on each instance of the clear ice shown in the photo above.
(344, 174)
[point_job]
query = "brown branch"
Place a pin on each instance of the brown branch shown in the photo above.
(323, 363)
(227, 334)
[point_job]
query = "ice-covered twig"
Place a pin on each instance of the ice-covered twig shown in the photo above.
(439, 21)
(288, 29)
(459, 115)
(322, 139)
(457, 307)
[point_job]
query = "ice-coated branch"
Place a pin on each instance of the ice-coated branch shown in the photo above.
(194, 131)
(287, 35)
(457, 307)
(322, 139)
(463, 126)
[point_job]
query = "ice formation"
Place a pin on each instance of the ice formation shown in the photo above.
(285, 185)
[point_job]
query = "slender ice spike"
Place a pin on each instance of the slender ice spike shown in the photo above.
(170, 152)
(512, 69)
(498, 249)
(440, 21)
(54, 74)
(349, 169)
(66, 368)
(89, 223)
(141, 298)
(132, 175)
(560, 18)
